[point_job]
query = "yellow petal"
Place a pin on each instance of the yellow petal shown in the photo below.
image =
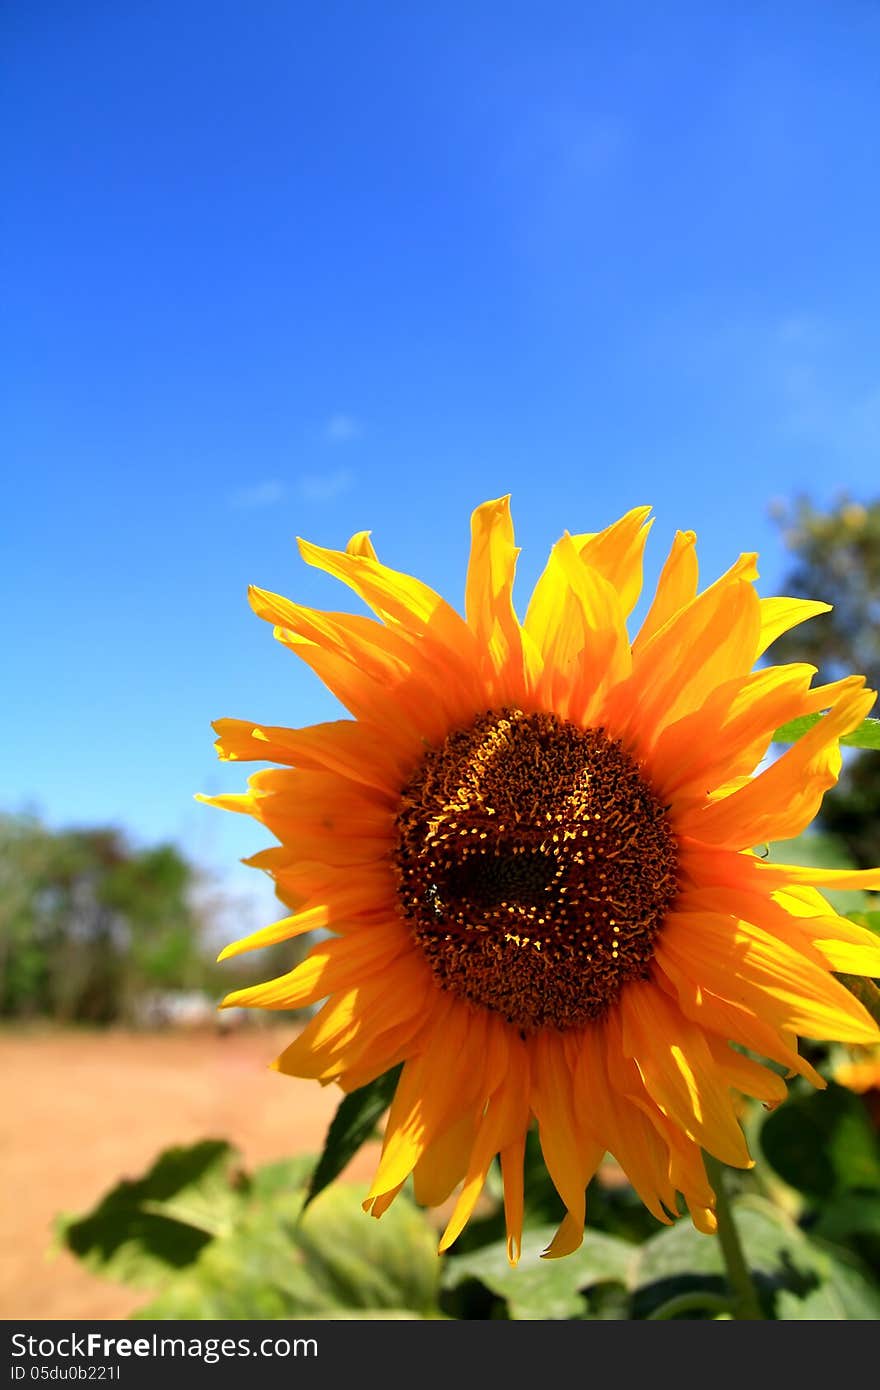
(676, 587)
(570, 1155)
(444, 1162)
(350, 1028)
(402, 601)
(779, 615)
(746, 965)
(730, 734)
(679, 1072)
(489, 599)
(284, 930)
(360, 544)
(617, 554)
(434, 1088)
(616, 1122)
(512, 1159)
(345, 746)
(576, 621)
(503, 1124)
(338, 964)
(709, 641)
(781, 875)
(781, 801)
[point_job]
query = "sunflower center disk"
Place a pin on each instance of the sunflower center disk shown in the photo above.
(535, 867)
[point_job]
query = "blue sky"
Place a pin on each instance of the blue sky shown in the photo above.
(288, 268)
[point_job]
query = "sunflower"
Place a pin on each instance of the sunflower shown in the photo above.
(534, 848)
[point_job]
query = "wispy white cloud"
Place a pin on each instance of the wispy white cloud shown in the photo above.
(340, 428)
(259, 495)
(325, 487)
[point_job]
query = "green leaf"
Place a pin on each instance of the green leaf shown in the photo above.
(849, 1216)
(542, 1289)
(283, 1178)
(376, 1315)
(867, 735)
(141, 1230)
(822, 1143)
(844, 1295)
(781, 1257)
(332, 1260)
(354, 1122)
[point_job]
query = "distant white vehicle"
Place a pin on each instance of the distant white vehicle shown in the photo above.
(186, 1009)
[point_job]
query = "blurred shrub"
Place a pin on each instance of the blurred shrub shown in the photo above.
(90, 927)
(206, 1240)
(837, 559)
(209, 1241)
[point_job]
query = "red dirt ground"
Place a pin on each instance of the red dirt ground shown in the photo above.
(80, 1111)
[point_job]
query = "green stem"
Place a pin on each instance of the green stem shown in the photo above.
(701, 1301)
(746, 1307)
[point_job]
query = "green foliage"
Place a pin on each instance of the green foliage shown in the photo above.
(162, 1221)
(822, 1143)
(677, 1266)
(354, 1122)
(91, 928)
(837, 559)
(867, 735)
(539, 1288)
(87, 922)
(826, 1146)
(782, 1258)
(279, 1262)
(213, 1242)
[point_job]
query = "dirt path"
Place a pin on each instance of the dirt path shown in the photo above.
(79, 1111)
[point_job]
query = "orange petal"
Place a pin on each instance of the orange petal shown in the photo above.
(338, 964)
(571, 1156)
(576, 621)
(676, 588)
(679, 1072)
(745, 964)
(710, 640)
(404, 602)
(489, 601)
(347, 747)
(434, 1088)
(444, 1162)
(504, 1123)
(730, 734)
(781, 801)
(617, 554)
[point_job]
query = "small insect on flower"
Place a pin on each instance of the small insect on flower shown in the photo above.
(533, 844)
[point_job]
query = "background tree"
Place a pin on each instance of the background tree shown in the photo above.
(91, 926)
(837, 559)
(87, 923)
